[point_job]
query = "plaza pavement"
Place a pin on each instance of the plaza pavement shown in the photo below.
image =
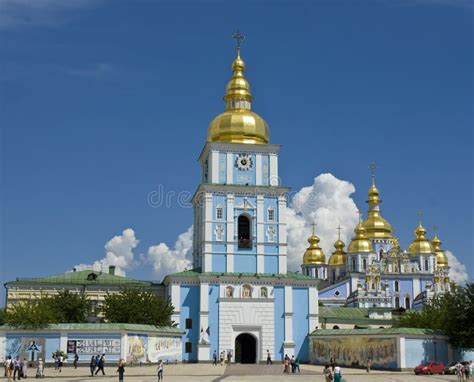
(233, 373)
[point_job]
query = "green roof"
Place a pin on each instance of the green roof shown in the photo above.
(82, 278)
(384, 331)
(288, 275)
(356, 316)
(106, 326)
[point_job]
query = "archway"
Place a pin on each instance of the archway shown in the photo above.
(245, 348)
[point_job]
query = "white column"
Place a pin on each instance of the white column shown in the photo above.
(63, 341)
(214, 170)
(401, 355)
(282, 244)
(230, 169)
(260, 234)
(230, 232)
(274, 181)
(416, 287)
(3, 343)
(313, 309)
(258, 169)
(123, 346)
(288, 344)
(175, 301)
(203, 348)
(207, 261)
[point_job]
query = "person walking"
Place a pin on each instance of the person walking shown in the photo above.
(221, 357)
(297, 365)
(40, 369)
(92, 365)
(369, 364)
(327, 373)
(76, 360)
(24, 368)
(16, 368)
(214, 358)
(9, 366)
(292, 363)
(332, 361)
(229, 357)
(60, 362)
(471, 369)
(459, 371)
(121, 370)
(286, 364)
(160, 371)
(101, 365)
(269, 358)
(337, 373)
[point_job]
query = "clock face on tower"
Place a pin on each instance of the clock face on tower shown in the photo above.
(244, 162)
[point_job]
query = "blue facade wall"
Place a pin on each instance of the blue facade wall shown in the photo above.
(270, 264)
(245, 263)
(300, 323)
(420, 349)
(213, 318)
(222, 167)
(265, 170)
(189, 302)
(279, 296)
(219, 263)
(244, 177)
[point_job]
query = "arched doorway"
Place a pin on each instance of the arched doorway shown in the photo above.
(243, 225)
(245, 348)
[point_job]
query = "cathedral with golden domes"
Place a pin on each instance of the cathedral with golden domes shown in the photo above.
(375, 271)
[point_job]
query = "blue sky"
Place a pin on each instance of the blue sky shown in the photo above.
(104, 101)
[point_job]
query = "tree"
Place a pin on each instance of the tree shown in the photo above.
(31, 314)
(450, 313)
(69, 307)
(134, 306)
(3, 316)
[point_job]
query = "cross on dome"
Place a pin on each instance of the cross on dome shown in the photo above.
(238, 38)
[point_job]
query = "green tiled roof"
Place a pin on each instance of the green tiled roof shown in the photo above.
(81, 277)
(197, 272)
(108, 326)
(343, 312)
(384, 331)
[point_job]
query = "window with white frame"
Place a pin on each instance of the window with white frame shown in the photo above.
(219, 213)
(271, 214)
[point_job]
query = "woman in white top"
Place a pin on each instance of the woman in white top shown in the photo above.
(160, 371)
(337, 374)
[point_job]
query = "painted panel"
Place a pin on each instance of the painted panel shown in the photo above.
(167, 349)
(137, 348)
(32, 346)
(218, 263)
(88, 345)
(300, 323)
(279, 296)
(270, 264)
(213, 319)
(355, 350)
(189, 296)
(418, 350)
(245, 263)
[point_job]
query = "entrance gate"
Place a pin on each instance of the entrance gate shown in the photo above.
(245, 348)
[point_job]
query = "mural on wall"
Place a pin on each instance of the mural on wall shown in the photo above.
(31, 348)
(164, 348)
(354, 351)
(95, 346)
(137, 348)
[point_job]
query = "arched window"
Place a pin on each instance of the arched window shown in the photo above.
(353, 264)
(364, 264)
(397, 302)
(397, 287)
(246, 291)
(263, 292)
(335, 327)
(229, 292)
(243, 234)
(426, 264)
(407, 302)
(333, 275)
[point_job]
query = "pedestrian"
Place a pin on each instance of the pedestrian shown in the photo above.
(160, 371)
(269, 358)
(92, 365)
(286, 364)
(101, 365)
(471, 369)
(332, 361)
(121, 370)
(40, 369)
(9, 366)
(24, 368)
(327, 373)
(221, 357)
(16, 369)
(214, 358)
(292, 363)
(76, 360)
(60, 362)
(229, 357)
(369, 364)
(459, 371)
(337, 373)
(466, 371)
(297, 365)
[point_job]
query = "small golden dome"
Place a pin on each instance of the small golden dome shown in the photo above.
(314, 254)
(375, 225)
(421, 244)
(338, 257)
(238, 124)
(441, 258)
(360, 243)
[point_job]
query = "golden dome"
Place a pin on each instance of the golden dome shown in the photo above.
(238, 124)
(441, 258)
(421, 244)
(314, 254)
(338, 257)
(375, 225)
(360, 243)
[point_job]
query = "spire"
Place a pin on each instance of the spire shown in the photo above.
(421, 244)
(360, 242)
(314, 254)
(338, 257)
(441, 259)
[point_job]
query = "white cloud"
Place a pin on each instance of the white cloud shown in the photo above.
(23, 13)
(328, 203)
(457, 271)
(118, 252)
(166, 260)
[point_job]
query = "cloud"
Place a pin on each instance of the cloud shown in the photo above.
(457, 271)
(27, 13)
(166, 260)
(118, 252)
(328, 203)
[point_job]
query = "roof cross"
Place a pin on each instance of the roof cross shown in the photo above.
(238, 38)
(420, 215)
(372, 168)
(339, 231)
(314, 226)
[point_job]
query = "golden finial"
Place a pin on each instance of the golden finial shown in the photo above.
(359, 212)
(420, 215)
(372, 168)
(314, 227)
(339, 232)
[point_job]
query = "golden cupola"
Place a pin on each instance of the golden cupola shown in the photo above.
(375, 225)
(338, 257)
(421, 244)
(360, 243)
(441, 258)
(314, 254)
(238, 123)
